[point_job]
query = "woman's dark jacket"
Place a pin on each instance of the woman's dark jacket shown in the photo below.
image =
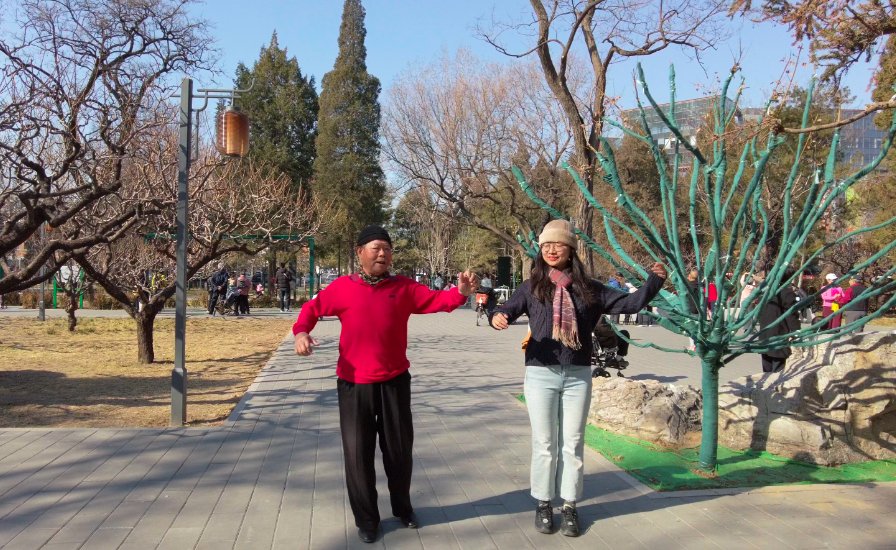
(771, 312)
(542, 349)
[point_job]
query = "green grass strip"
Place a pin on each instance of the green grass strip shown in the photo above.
(675, 470)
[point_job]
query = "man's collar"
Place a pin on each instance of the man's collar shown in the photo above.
(370, 279)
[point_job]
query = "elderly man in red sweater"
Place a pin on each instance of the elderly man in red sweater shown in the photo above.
(374, 385)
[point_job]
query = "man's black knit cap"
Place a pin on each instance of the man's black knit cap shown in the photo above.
(373, 233)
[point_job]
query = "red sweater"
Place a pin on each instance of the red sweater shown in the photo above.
(374, 339)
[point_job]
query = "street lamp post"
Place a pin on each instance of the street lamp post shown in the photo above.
(41, 306)
(179, 372)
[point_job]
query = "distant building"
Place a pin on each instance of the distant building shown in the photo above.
(860, 141)
(690, 116)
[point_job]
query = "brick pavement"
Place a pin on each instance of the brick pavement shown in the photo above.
(272, 476)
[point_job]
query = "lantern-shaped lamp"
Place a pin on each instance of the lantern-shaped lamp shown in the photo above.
(232, 132)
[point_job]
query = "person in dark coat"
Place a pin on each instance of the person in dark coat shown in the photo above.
(217, 287)
(563, 306)
(775, 359)
(855, 307)
(284, 279)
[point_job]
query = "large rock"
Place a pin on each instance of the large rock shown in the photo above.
(662, 413)
(834, 403)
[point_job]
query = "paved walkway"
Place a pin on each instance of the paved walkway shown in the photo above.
(272, 477)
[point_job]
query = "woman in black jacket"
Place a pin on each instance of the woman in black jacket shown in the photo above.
(563, 305)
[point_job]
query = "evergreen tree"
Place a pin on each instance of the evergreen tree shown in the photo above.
(282, 107)
(347, 173)
(884, 80)
(874, 200)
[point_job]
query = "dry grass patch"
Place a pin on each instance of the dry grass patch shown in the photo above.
(91, 378)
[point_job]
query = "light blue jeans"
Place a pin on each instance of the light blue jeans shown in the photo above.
(558, 398)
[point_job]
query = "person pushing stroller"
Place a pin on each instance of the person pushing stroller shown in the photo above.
(486, 301)
(609, 349)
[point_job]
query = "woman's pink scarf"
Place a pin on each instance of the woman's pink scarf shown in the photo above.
(565, 329)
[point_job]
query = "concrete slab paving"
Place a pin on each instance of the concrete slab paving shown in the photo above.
(272, 475)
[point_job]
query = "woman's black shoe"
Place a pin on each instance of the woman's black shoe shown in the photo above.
(570, 525)
(367, 534)
(544, 518)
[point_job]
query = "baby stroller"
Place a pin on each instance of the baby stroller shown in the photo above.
(486, 300)
(609, 350)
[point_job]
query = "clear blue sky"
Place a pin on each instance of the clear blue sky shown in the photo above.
(401, 33)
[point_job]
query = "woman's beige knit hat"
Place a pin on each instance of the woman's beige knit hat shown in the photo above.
(558, 231)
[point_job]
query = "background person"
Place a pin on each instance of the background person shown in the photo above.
(855, 307)
(373, 384)
(438, 283)
(563, 305)
(217, 287)
(284, 278)
(832, 297)
(486, 281)
(242, 300)
(775, 360)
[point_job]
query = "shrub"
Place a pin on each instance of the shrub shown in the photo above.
(101, 300)
(12, 299)
(29, 299)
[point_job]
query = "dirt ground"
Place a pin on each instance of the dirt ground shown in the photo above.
(50, 377)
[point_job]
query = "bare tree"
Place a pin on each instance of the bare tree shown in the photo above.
(606, 32)
(434, 230)
(452, 128)
(82, 81)
(234, 207)
(71, 281)
(840, 32)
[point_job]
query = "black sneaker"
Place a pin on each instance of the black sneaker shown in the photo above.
(544, 518)
(570, 524)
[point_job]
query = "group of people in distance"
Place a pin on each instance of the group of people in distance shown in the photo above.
(374, 387)
(234, 290)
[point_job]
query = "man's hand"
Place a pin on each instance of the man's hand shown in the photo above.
(304, 343)
(467, 282)
(659, 270)
(499, 321)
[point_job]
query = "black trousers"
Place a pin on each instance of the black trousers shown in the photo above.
(212, 300)
(773, 364)
(366, 411)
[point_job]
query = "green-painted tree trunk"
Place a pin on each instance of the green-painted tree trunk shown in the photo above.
(709, 440)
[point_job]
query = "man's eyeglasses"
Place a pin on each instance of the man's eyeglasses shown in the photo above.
(377, 249)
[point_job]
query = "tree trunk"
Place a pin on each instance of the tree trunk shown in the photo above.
(145, 319)
(526, 265)
(272, 270)
(709, 437)
(584, 222)
(351, 258)
(70, 309)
